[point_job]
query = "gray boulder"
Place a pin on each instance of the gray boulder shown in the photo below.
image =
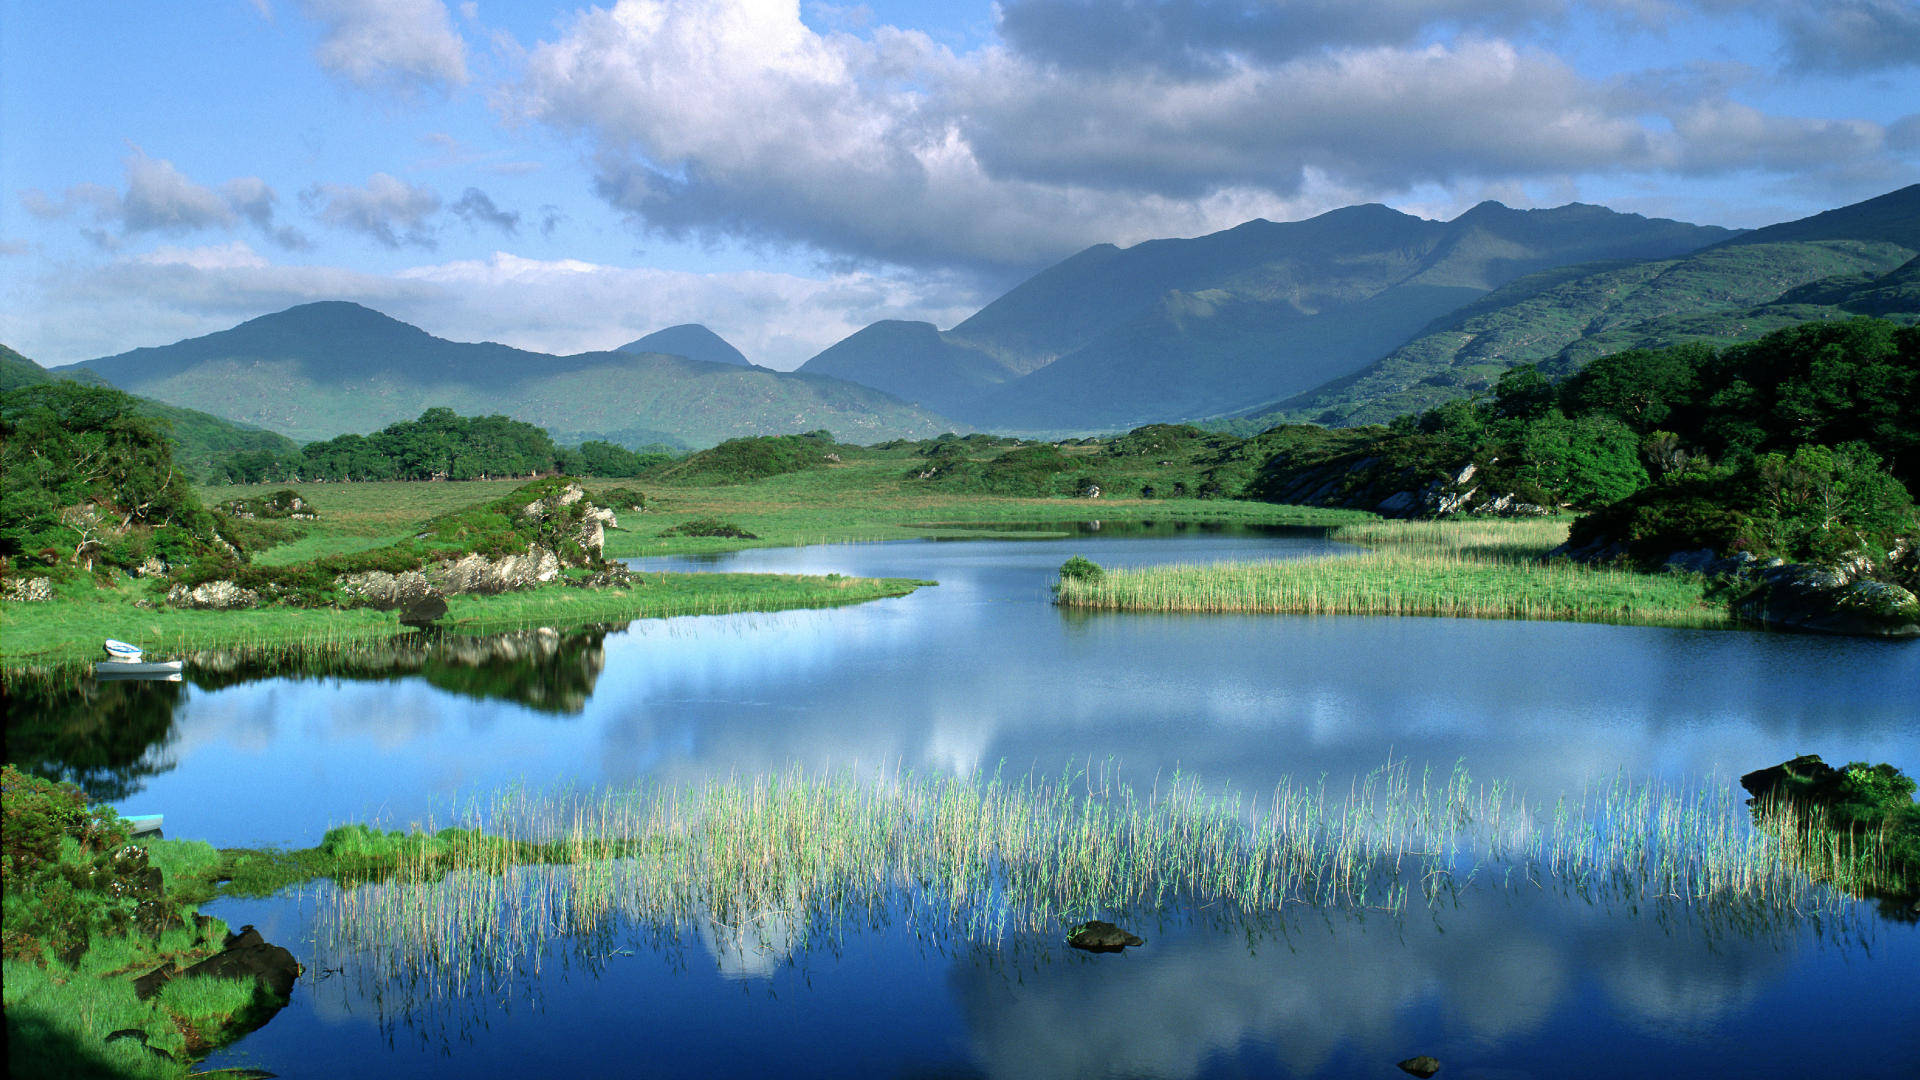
(212, 596)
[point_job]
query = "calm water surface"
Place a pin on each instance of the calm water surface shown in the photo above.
(982, 673)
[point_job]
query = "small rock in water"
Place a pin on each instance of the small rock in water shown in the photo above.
(1422, 1066)
(1098, 936)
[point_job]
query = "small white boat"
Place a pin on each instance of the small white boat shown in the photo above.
(121, 651)
(167, 670)
(144, 823)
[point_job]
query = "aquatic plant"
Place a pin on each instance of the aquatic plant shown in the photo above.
(772, 863)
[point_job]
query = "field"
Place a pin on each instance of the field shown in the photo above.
(1490, 569)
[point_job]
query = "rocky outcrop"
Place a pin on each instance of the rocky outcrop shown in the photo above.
(1788, 596)
(31, 590)
(1402, 490)
(1796, 596)
(212, 596)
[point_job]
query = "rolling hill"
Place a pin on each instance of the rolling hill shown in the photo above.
(1170, 329)
(324, 369)
(1853, 260)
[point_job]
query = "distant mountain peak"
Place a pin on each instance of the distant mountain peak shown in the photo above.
(691, 340)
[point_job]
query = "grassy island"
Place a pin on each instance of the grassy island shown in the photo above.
(1483, 569)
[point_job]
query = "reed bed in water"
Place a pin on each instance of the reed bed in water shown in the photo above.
(765, 864)
(1404, 580)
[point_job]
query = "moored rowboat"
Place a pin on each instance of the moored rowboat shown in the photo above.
(144, 823)
(150, 669)
(122, 651)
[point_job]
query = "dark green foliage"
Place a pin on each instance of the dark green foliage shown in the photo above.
(440, 445)
(599, 458)
(67, 871)
(1858, 798)
(740, 461)
(90, 481)
(1037, 470)
(1080, 568)
(1584, 462)
(709, 527)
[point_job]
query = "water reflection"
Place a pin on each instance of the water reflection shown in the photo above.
(107, 736)
(544, 669)
(1493, 982)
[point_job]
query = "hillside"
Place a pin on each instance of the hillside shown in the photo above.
(1166, 329)
(692, 341)
(1853, 260)
(199, 439)
(324, 369)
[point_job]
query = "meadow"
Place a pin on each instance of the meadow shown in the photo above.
(1484, 569)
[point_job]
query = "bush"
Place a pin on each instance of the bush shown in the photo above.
(709, 527)
(65, 868)
(1080, 568)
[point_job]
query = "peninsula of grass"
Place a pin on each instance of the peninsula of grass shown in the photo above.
(70, 628)
(1482, 569)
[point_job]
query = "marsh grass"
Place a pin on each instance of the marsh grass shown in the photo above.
(1402, 581)
(772, 863)
(1486, 569)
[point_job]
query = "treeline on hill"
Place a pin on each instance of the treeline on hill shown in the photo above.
(441, 445)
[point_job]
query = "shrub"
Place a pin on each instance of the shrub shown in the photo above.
(709, 527)
(1080, 568)
(65, 868)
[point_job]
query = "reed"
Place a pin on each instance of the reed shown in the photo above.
(1410, 577)
(770, 863)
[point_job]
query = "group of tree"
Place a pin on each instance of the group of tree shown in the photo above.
(1804, 444)
(85, 479)
(440, 445)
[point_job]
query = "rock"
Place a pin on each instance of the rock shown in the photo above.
(1422, 1066)
(379, 589)
(478, 574)
(1397, 503)
(1099, 936)
(150, 567)
(244, 955)
(1092, 491)
(28, 590)
(1796, 596)
(212, 596)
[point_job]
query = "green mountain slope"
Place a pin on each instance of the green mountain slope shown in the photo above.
(199, 438)
(325, 369)
(691, 340)
(1176, 328)
(17, 370)
(1852, 260)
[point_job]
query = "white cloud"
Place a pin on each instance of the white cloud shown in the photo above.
(734, 119)
(159, 198)
(401, 45)
(388, 209)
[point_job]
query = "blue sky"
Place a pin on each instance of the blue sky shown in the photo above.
(567, 178)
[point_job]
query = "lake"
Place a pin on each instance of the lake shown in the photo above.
(982, 675)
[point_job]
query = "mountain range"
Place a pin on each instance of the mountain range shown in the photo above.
(1181, 329)
(1354, 316)
(324, 369)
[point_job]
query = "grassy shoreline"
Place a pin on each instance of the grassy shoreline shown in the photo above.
(1483, 569)
(69, 628)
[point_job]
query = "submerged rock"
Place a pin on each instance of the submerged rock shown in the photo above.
(1797, 596)
(1422, 1066)
(1099, 936)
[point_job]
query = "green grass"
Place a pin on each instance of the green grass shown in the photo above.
(960, 860)
(1478, 569)
(70, 628)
